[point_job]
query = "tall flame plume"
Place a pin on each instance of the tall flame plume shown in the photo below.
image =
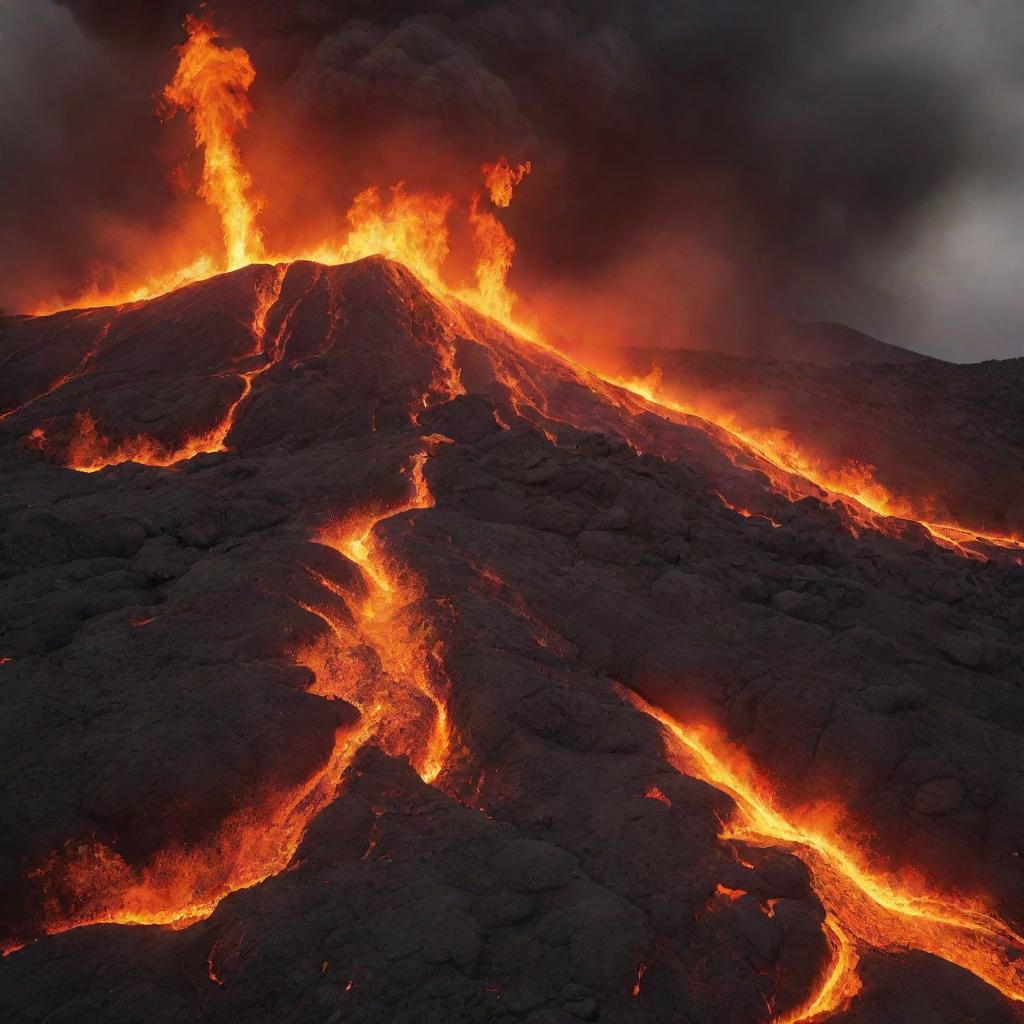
(211, 85)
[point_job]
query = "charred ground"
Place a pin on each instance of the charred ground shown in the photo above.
(167, 681)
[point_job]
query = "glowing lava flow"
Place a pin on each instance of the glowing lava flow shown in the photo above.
(407, 686)
(90, 883)
(864, 905)
(853, 482)
(211, 84)
(401, 708)
(839, 985)
(89, 450)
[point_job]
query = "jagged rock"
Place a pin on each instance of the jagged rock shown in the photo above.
(167, 627)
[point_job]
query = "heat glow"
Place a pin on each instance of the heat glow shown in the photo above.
(862, 905)
(402, 698)
(379, 651)
(211, 85)
(851, 481)
(399, 691)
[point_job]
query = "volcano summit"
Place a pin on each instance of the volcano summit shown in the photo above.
(363, 660)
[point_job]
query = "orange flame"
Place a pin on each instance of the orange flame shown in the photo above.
(500, 178)
(211, 85)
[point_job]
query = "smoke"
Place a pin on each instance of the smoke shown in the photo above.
(709, 165)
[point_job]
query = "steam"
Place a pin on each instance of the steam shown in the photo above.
(771, 159)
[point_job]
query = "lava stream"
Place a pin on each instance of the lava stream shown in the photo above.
(183, 885)
(782, 453)
(876, 909)
(90, 450)
(400, 640)
(840, 983)
(77, 371)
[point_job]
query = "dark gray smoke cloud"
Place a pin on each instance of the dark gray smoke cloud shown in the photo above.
(717, 164)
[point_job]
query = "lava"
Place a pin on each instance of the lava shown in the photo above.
(211, 85)
(839, 985)
(407, 655)
(90, 450)
(90, 883)
(83, 363)
(863, 905)
(851, 481)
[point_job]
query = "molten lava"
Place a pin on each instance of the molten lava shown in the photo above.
(211, 84)
(403, 697)
(90, 450)
(862, 904)
(401, 704)
(849, 481)
(380, 653)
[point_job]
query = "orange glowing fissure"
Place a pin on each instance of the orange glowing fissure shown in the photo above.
(850, 481)
(399, 689)
(862, 905)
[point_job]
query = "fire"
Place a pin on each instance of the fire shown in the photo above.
(495, 249)
(412, 229)
(91, 450)
(211, 85)
(863, 905)
(501, 178)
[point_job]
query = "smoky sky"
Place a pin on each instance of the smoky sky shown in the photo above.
(705, 166)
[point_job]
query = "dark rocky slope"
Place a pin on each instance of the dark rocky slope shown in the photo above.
(943, 437)
(152, 617)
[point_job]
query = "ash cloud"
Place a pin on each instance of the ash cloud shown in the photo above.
(722, 164)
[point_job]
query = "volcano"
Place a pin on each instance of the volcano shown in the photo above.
(363, 660)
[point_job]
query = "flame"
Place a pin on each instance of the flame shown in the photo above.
(884, 911)
(412, 229)
(495, 249)
(211, 86)
(501, 178)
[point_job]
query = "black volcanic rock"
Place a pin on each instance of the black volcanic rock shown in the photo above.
(945, 438)
(562, 867)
